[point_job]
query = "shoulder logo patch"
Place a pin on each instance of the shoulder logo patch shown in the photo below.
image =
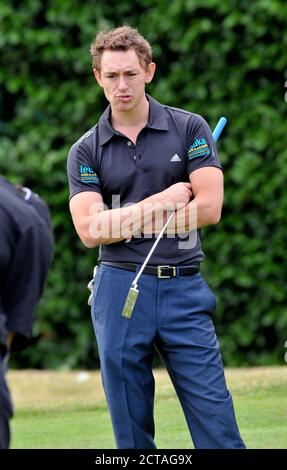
(199, 148)
(87, 175)
(175, 158)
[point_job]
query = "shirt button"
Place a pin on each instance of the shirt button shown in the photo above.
(129, 143)
(135, 157)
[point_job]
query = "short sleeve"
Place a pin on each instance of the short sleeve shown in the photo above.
(201, 150)
(81, 170)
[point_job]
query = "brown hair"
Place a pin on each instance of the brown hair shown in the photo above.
(121, 39)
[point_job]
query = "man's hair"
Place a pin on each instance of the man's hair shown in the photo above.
(121, 39)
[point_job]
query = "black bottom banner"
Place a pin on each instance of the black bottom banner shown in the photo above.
(134, 457)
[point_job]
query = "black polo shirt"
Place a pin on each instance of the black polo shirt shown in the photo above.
(173, 144)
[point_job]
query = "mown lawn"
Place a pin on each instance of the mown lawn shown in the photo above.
(67, 410)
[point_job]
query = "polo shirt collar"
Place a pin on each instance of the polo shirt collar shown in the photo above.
(157, 120)
(106, 132)
(157, 115)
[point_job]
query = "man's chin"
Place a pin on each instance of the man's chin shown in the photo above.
(123, 106)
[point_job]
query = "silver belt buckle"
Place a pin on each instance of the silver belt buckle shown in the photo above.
(161, 276)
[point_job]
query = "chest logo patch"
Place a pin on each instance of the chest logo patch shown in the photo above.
(175, 158)
(87, 175)
(199, 148)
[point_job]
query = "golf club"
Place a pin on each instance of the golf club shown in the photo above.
(133, 292)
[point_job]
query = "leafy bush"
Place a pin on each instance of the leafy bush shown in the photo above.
(215, 57)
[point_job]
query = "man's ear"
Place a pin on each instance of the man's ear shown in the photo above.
(97, 76)
(150, 71)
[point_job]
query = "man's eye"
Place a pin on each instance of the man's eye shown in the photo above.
(131, 74)
(110, 76)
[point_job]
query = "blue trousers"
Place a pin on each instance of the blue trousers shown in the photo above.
(173, 315)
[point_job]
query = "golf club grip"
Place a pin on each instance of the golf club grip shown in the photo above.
(219, 128)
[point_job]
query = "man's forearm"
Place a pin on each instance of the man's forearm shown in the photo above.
(197, 214)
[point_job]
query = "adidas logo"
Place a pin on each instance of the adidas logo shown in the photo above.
(175, 158)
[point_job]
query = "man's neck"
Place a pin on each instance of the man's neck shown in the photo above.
(134, 118)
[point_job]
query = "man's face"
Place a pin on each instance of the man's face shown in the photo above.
(123, 78)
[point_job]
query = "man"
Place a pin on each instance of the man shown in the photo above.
(26, 246)
(140, 162)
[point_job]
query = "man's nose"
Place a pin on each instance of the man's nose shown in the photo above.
(122, 83)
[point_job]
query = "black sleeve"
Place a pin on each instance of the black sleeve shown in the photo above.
(81, 170)
(3, 332)
(25, 281)
(201, 150)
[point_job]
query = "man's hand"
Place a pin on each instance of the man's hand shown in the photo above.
(176, 196)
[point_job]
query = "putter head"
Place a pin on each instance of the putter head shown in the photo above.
(130, 302)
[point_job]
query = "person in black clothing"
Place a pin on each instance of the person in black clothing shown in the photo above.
(26, 247)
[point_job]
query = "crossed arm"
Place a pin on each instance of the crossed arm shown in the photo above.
(196, 205)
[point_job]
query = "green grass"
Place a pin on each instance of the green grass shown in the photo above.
(57, 410)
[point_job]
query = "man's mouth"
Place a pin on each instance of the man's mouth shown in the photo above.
(124, 97)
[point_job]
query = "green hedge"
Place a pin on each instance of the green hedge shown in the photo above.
(214, 57)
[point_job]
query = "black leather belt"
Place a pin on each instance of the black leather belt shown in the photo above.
(162, 272)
